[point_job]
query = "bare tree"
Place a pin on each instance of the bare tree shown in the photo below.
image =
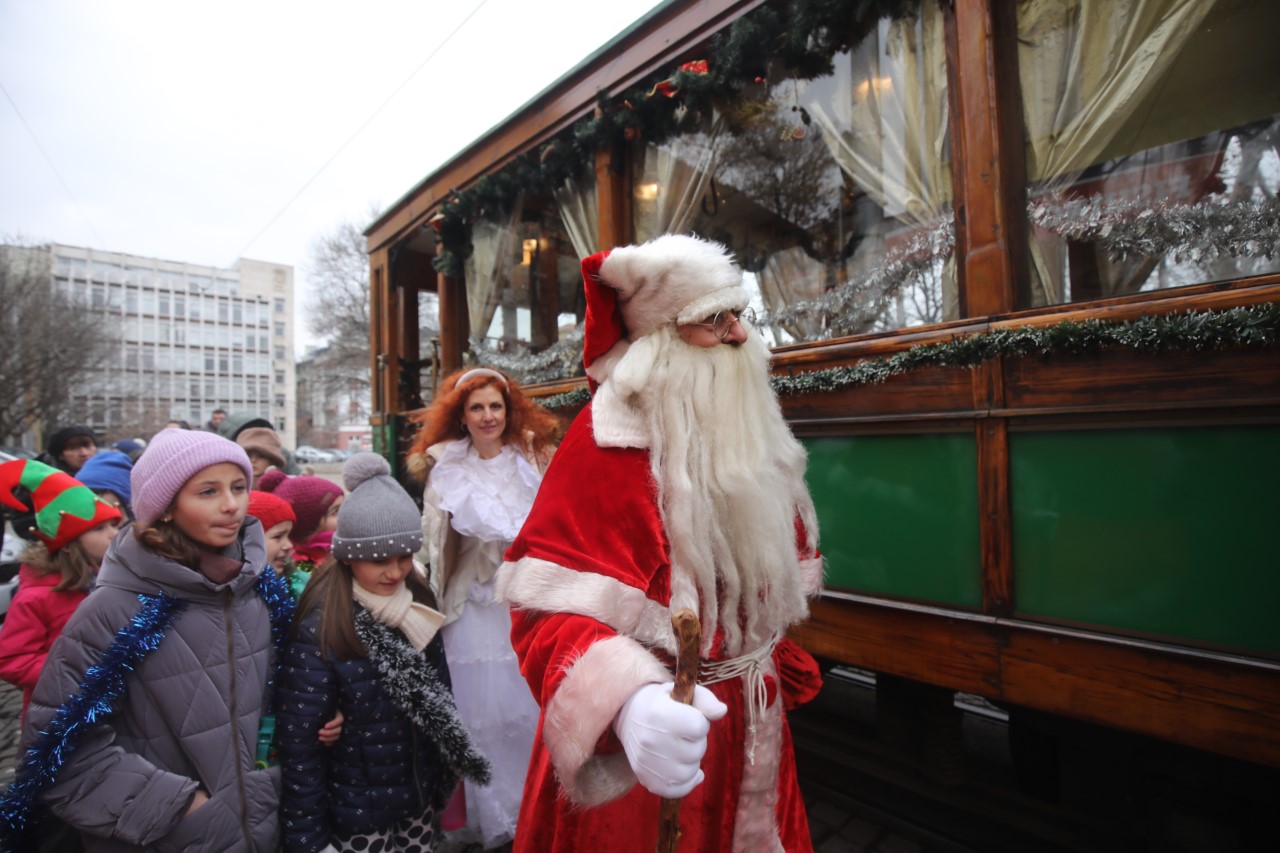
(339, 307)
(45, 351)
(339, 312)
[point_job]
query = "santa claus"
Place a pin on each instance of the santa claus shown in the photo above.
(679, 486)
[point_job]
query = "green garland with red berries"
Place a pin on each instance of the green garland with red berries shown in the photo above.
(801, 37)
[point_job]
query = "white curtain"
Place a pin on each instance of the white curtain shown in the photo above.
(579, 211)
(1085, 66)
(493, 253)
(674, 178)
(883, 114)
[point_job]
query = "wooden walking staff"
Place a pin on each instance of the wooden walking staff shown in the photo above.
(688, 631)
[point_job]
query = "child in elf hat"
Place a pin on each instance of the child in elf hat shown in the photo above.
(74, 528)
(365, 641)
(169, 666)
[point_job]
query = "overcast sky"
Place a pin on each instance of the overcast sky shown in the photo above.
(205, 132)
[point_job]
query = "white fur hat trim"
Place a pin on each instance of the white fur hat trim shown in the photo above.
(669, 279)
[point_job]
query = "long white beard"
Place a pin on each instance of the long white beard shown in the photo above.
(730, 479)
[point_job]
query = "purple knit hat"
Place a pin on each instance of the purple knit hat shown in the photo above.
(172, 457)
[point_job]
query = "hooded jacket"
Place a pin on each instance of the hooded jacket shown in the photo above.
(35, 619)
(189, 715)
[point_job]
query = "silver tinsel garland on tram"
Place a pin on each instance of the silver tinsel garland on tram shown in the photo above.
(1189, 331)
(1203, 232)
(558, 361)
(1212, 229)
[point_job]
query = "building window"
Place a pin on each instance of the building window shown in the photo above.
(280, 424)
(279, 377)
(222, 310)
(279, 307)
(208, 361)
(279, 401)
(279, 329)
(279, 353)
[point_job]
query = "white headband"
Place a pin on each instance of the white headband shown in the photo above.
(480, 371)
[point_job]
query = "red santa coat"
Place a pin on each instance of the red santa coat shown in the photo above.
(589, 581)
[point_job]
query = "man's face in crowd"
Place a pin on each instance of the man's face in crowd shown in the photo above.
(217, 418)
(77, 452)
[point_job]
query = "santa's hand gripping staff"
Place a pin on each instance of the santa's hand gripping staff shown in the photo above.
(679, 486)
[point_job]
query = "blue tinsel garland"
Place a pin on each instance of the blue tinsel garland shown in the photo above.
(103, 683)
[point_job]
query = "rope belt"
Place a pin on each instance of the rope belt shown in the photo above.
(749, 667)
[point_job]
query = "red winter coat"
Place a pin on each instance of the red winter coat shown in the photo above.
(589, 582)
(35, 619)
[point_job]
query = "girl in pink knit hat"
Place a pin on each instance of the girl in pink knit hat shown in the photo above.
(169, 666)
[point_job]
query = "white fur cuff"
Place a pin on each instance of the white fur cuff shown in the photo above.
(592, 691)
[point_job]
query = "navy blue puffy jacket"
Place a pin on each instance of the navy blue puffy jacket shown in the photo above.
(380, 771)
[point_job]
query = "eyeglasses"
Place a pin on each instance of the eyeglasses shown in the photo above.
(722, 321)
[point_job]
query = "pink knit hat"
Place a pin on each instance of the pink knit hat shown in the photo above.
(310, 498)
(172, 457)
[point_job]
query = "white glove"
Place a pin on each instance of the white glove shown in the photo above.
(664, 739)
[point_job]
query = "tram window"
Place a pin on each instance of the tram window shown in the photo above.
(523, 277)
(834, 191)
(1152, 140)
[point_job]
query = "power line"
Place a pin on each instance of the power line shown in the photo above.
(49, 160)
(361, 128)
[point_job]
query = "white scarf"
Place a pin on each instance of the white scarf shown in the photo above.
(417, 622)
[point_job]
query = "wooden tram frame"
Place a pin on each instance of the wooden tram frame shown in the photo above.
(1219, 701)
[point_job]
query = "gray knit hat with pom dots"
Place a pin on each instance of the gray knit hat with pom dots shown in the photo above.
(378, 519)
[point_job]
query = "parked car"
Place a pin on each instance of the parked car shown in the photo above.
(309, 454)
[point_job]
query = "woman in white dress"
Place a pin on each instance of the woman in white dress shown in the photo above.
(482, 447)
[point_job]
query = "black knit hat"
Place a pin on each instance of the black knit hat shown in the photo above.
(59, 440)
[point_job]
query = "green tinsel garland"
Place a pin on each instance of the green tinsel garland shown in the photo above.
(802, 36)
(1188, 331)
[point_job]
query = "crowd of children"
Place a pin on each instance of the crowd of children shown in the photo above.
(259, 664)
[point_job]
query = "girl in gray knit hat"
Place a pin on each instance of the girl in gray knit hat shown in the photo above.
(365, 642)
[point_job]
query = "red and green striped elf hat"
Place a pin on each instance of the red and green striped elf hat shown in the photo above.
(63, 507)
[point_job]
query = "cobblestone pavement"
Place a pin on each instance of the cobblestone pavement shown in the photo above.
(10, 710)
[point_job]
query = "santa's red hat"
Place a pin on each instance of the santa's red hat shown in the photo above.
(633, 291)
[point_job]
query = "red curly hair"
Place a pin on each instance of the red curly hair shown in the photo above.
(529, 426)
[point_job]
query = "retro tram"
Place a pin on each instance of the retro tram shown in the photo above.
(1019, 261)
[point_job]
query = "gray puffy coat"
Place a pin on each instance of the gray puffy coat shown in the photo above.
(189, 715)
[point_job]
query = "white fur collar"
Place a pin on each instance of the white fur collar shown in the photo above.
(614, 423)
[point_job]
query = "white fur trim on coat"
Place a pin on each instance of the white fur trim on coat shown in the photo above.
(811, 571)
(533, 584)
(593, 690)
(614, 423)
